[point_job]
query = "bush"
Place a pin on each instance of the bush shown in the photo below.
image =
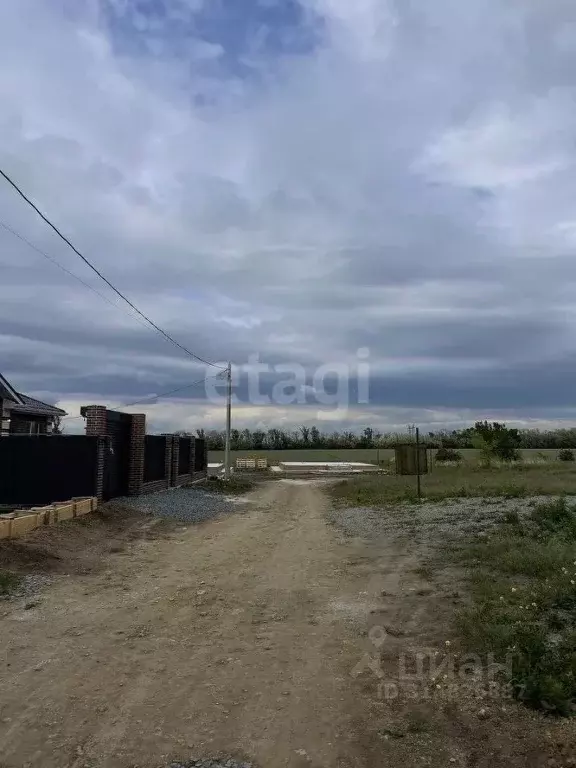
(496, 441)
(566, 454)
(555, 517)
(447, 454)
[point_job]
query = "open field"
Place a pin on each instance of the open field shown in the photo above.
(519, 480)
(369, 455)
(274, 457)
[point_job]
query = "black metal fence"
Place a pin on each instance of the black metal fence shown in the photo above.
(200, 455)
(154, 458)
(41, 469)
(185, 444)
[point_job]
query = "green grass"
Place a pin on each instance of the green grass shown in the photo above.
(360, 454)
(523, 585)
(368, 455)
(467, 480)
(8, 582)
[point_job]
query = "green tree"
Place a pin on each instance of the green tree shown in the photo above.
(496, 440)
(367, 439)
(315, 437)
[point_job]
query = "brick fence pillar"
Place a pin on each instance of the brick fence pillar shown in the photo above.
(95, 416)
(175, 459)
(137, 449)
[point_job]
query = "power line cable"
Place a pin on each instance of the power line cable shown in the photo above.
(166, 394)
(152, 397)
(68, 272)
(102, 277)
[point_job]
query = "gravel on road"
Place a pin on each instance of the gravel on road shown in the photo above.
(191, 505)
(434, 520)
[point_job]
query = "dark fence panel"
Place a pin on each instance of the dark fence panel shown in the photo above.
(184, 456)
(154, 458)
(40, 469)
(199, 458)
(117, 465)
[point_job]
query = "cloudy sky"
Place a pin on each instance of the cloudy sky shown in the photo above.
(298, 180)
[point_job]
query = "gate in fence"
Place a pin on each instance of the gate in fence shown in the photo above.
(117, 459)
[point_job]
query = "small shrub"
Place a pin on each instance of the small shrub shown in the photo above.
(555, 517)
(513, 491)
(512, 517)
(448, 454)
(566, 455)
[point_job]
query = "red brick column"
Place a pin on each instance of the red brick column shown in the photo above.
(137, 448)
(95, 416)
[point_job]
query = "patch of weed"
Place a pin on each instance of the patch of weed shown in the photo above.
(523, 584)
(418, 720)
(511, 517)
(236, 486)
(425, 572)
(555, 517)
(8, 582)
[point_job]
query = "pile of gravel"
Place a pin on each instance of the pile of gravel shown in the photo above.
(190, 505)
(211, 763)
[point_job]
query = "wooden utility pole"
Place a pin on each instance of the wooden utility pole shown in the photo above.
(418, 461)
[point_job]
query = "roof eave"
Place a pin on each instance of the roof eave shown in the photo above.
(11, 391)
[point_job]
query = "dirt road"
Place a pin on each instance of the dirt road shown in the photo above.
(249, 636)
(221, 639)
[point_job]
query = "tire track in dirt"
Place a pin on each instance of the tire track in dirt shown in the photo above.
(218, 639)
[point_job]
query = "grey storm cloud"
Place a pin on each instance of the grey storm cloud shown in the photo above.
(402, 179)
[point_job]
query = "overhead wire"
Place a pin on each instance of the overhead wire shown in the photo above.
(152, 397)
(68, 272)
(105, 279)
(166, 394)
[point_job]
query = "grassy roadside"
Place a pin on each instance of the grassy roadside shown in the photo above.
(236, 486)
(455, 482)
(523, 611)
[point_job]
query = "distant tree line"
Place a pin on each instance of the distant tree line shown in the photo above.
(306, 437)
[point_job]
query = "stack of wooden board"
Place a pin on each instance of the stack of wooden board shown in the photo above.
(15, 524)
